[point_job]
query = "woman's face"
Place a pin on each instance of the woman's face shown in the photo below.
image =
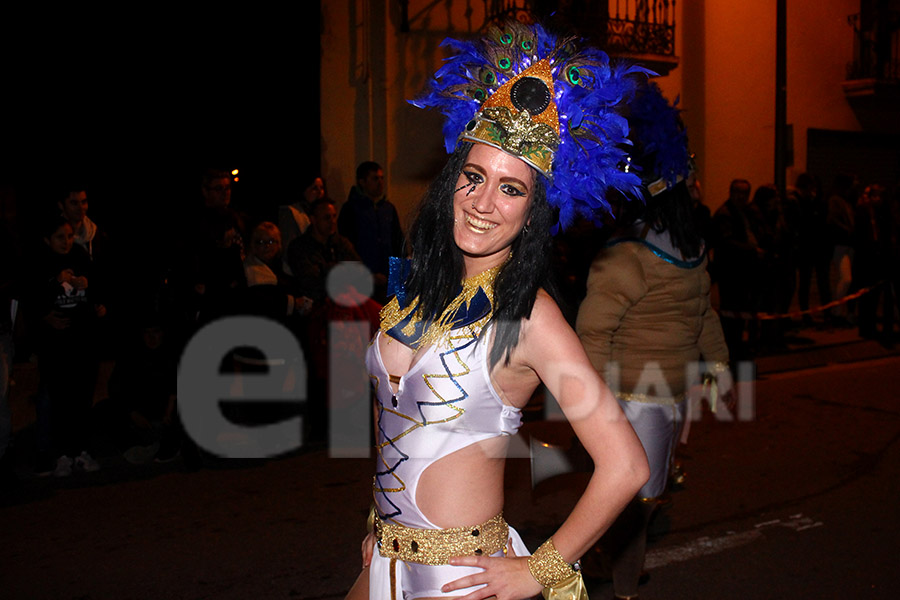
(315, 191)
(61, 240)
(490, 206)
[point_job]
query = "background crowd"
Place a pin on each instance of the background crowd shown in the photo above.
(71, 297)
(768, 248)
(76, 293)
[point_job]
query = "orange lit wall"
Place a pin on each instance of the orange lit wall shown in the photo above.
(726, 78)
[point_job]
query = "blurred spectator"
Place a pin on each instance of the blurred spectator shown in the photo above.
(892, 289)
(370, 222)
(312, 256)
(702, 215)
(74, 208)
(106, 263)
(813, 249)
(140, 414)
(738, 267)
(64, 310)
(778, 240)
(871, 262)
(840, 229)
(205, 272)
(316, 252)
(8, 306)
(263, 254)
(216, 188)
(269, 291)
(217, 273)
(293, 219)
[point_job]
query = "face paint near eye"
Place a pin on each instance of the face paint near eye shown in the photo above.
(494, 208)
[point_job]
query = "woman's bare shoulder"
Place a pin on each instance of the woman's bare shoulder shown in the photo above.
(547, 327)
(546, 312)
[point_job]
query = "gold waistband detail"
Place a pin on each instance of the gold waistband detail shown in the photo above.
(437, 546)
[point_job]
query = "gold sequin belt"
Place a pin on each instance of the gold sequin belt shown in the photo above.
(437, 546)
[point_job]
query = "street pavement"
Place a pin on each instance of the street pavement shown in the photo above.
(796, 502)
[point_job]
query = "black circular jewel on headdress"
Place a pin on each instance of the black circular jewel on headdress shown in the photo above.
(531, 94)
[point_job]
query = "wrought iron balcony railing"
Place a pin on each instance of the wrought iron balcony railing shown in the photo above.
(876, 46)
(635, 28)
(642, 27)
(872, 87)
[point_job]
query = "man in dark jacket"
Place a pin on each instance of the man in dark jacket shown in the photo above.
(738, 258)
(370, 222)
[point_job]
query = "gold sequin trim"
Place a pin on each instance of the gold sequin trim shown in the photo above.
(548, 566)
(437, 546)
(439, 330)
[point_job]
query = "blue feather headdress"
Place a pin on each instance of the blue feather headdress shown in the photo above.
(541, 98)
(660, 142)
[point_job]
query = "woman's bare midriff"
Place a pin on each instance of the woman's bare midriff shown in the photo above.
(466, 487)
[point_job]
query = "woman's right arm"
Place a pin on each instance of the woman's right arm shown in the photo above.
(548, 349)
(553, 350)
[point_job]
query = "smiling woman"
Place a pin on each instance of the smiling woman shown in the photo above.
(490, 206)
(473, 330)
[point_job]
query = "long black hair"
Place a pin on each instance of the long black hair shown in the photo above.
(437, 263)
(670, 211)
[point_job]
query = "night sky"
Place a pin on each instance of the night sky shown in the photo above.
(137, 106)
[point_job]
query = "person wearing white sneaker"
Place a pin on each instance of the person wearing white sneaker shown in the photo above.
(63, 466)
(85, 462)
(61, 295)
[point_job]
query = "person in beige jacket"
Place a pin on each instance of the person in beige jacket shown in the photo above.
(646, 323)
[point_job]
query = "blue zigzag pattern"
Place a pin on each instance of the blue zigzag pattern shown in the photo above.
(452, 354)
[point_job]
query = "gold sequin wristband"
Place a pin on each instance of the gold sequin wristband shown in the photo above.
(437, 546)
(548, 566)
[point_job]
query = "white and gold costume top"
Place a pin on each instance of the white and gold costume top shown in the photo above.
(445, 402)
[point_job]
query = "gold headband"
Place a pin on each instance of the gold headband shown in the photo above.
(521, 118)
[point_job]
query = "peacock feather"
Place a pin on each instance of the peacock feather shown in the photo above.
(589, 92)
(660, 140)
